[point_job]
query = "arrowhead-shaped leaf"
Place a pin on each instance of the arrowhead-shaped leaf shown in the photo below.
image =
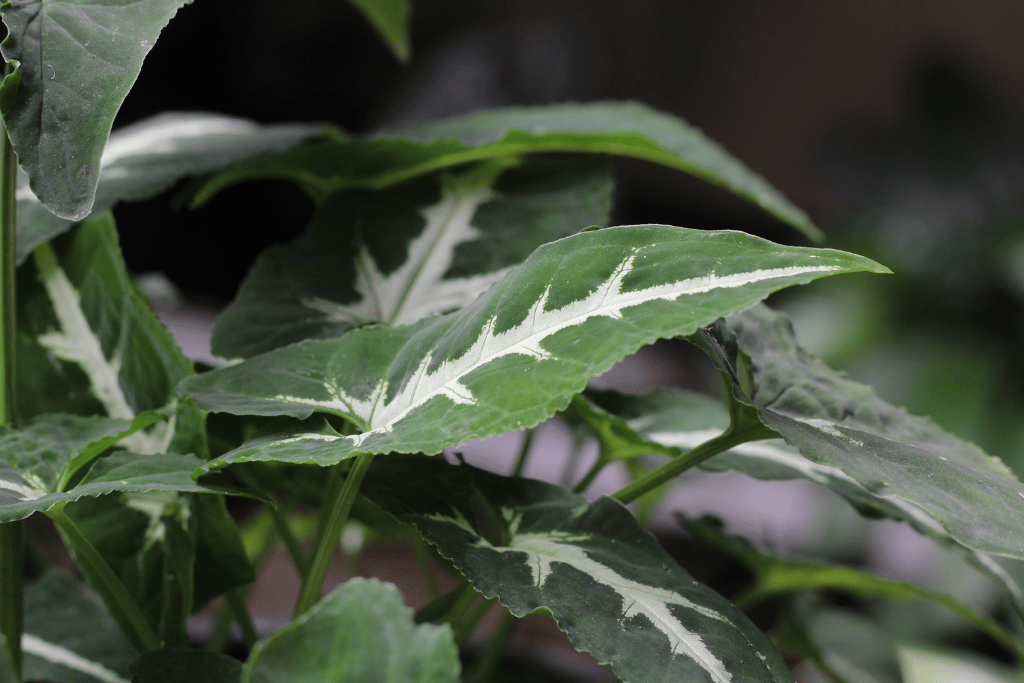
(145, 158)
(517, 354)
(69, 636)
(359, 633)
(918, 472)
(622, 128)
(602, 576)
(77, 60)
(428, 247)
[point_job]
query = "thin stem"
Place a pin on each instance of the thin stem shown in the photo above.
(291, 543)
(120, 603)
(691, 458)
(338, 507)
(524, 452)
(592, 473)
(443, 605)
(12, 534)
(221, 631)
(466, 627)
(235, 600)
(426, 563)
(491, 656)
(12, 580)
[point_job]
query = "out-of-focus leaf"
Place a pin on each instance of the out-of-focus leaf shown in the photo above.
(603, 577)
(391, 20)
(519, 352)
(622, 128)
(361, 632)
(76, 62)
(145, 158)
(428, 247)
(69, 636)
(177, 666)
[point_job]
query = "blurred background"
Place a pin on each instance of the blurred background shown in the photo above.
(898, 126)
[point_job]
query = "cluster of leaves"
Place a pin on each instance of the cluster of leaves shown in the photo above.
(453, 284)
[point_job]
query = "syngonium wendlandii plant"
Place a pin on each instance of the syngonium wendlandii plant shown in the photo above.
(453, 284)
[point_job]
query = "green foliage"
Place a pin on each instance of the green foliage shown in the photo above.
(457, 281)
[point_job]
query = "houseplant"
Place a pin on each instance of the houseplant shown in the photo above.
(454, 283)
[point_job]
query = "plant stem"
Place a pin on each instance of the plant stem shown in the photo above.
(235, 600)
(723, 442)
(339, 503)
(426, 564)
(491, 656)
(443, 605)
(291, 543)
(592, 473)
(466, 627)
(12, 534)
(524, 452)
(120, 603)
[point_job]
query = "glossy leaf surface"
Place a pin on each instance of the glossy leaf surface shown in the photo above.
(602, 576)
(147, 157)
(622, 128)
(424, 248)
(77, 62)
(361, 632)
(518, 353)
(69, 636)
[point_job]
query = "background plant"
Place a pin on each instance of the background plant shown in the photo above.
(451, 285)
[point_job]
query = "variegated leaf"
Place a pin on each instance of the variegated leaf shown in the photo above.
(602, 576)
(145, 158)
(945, 486)
(518, 353)
(622, 128)
(427, 247)
(69, 636)
(685, 420)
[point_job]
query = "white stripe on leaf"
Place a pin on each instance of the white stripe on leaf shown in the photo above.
(544, 550)
(607, 300)
(56, 654)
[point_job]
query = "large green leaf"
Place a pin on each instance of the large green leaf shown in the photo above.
(40, 460)
(360, 633)
(426, 247)
(391, 19)
(77, 60)
(602, 576)
(518, 353)
(622, 128)
(941, 485)
(145, 158)
(69, 636)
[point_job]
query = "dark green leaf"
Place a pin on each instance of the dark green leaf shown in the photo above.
(427, 247)
(622, 128)
(391, 19)
(221, 560)
(69, 636)
(359, 633)
(147, 157)
(77, 60)
(179, 666)
(602, 576)
(519, 352)
(943, 486)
